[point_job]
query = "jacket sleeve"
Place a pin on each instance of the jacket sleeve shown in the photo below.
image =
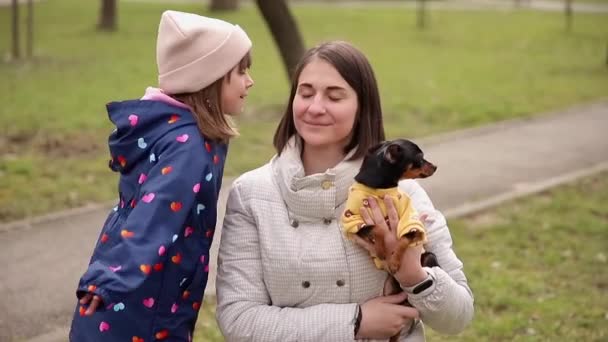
(244, 307)
(134, 247)
(409, 219)
(446, 306)
(351, 217)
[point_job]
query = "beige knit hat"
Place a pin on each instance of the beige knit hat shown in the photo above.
(193, 51)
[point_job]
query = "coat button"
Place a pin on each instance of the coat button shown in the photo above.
(294, 223)
(326, 185)
(306, 284)
(340, 283)
(327, 221)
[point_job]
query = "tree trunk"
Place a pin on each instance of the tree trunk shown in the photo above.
(30, 28)
(15, 16)
(421, 22)
(107, 15)
(568, 12)
(606, 55)
(224, 5)
(284, 31)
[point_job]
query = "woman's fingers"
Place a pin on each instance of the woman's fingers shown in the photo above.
(368, 246)
(408, 312)
(367, 218)
(377, 216)
(393, 216)
(93, 307)
(395, 298)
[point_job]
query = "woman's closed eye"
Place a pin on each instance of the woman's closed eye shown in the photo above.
(305, 94)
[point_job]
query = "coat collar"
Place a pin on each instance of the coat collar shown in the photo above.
(312, 197)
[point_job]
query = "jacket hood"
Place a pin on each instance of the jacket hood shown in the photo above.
(139, 125)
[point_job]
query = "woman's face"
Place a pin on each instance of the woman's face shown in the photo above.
(324, 107)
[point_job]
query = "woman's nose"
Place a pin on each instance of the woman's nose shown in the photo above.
(250, 82)
(317, 106)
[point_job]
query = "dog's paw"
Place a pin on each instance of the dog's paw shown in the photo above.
(414, 236)
(393, 265)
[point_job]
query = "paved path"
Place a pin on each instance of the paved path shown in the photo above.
(478, 167)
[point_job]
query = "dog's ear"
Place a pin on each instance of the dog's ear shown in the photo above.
(375, 148)
(393, 153)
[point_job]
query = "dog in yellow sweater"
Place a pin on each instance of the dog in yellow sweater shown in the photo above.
(383, 167)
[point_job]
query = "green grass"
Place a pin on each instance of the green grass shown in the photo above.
(468, 69)
(537, 267)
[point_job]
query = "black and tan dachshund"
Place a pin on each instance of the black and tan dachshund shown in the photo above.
(383, 167)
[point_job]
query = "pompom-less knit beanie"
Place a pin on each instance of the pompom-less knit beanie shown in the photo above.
(193, 51)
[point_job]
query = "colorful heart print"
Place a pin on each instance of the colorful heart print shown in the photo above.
(173, 119)
(149, 302)
(166, 170)
(177, 258)
(133, 119)
(115, 268)
(104, 326)
(182, 138)
(176, 206)
(161, 335)
(188, 231)
(141, 143)
(145, 268)
(126, 233)
(147, 198)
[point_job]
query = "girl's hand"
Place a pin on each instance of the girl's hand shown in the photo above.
(383, 317)
(95, 301)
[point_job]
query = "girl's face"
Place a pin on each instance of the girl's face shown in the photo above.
(234, 90)
(324, 107)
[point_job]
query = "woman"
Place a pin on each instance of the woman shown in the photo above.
(285, 270)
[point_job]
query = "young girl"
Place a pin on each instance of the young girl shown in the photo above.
(285, 270)
(147, 275)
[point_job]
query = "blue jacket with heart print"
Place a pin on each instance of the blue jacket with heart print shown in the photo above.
(151, 261)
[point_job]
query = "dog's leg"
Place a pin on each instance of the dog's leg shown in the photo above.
(395, 260)
(428, 259)
(379, 243)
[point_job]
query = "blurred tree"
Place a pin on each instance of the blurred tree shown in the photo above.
(15, 17)
(284, 31)
(421, 21)
(568, 12)
(224, 5)
(107, 15)
(30, 28)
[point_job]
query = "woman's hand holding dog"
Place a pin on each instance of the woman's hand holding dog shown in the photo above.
(410, 271)
(383, 317)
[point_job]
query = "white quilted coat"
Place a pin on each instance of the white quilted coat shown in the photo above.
(286, 272)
